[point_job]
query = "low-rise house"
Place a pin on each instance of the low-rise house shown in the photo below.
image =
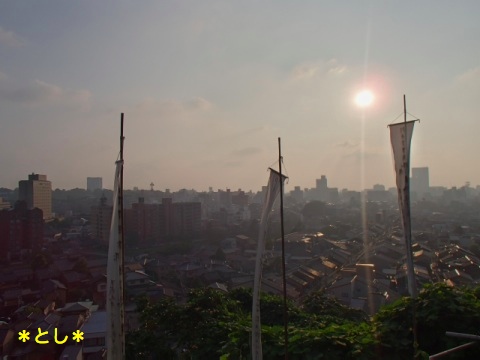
(70, 323)
(136, 279)
(339, 257)
(422, 276)
(62, 265)
(96, 266)
(54, 291)
(84, 308)
(98, 288)
(72, 352)
(382, 261)
(43, 275)
(76, 284)
(12, 298)
(134, 266)
(94, 333)
(45, 306)
(362, 290)
(457, 278)
(139, 283)
(299, 284)
(7, 337)
(218, 286)
(189, 270)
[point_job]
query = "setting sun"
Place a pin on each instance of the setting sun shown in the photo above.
(364, 98)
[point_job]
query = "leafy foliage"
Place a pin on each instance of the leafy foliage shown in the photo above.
(437, 309)
(156, 336)
(213, 324)
(327, 308)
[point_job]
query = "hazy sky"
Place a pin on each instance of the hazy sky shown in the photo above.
(207, 87)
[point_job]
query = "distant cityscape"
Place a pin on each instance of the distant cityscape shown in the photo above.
(347, 243)
(37, 193)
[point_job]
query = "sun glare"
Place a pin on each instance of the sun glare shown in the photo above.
(364, 98)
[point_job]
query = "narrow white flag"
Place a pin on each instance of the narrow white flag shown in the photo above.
(115, 306)
(273, 189)
(400, 137)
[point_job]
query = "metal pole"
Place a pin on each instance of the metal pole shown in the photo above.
(285, 311)
(449, 351)
(122, 241)
(462, 335)
(408, 224)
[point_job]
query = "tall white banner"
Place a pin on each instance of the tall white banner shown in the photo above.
(400, 137)
(273, 189)
(115, 306)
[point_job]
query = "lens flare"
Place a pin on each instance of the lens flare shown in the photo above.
(364, 98)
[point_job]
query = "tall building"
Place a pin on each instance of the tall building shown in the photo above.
(240, 198)
(4, 204)
(297, 194)
(162, 222)
(37, 193)
(420, 183)
(20, 229)
(144, 221)
(322, 183)
(187, 218)
(322, 192)
(378, 187)
(225, 198)
(181, 219)
(167, 227)
(94, 183)
(100, 219)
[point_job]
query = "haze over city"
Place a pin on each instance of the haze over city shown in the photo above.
(208, 87)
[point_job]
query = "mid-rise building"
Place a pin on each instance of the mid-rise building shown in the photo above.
(37, 193)
(94, 183)
(4, 204)
(159, 222)
(322, 192)
(143, 221)
(322, 183)
(181, 219)
(297, 194)
(21, 229)
(100, 219)
(420, 183)
(240, 198)
(379, 187)
(225, 198)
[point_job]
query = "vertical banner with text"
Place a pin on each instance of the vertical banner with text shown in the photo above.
(115, 306)
(400, 137)
(273, 190)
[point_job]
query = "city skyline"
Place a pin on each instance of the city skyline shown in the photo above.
(207, 88)
(419, 183)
